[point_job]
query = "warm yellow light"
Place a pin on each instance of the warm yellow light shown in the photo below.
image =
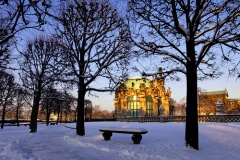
(134, 98)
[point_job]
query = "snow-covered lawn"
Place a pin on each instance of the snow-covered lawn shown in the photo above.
(164, 141)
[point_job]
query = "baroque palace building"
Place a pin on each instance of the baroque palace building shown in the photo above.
(142, 97)
(217, 102)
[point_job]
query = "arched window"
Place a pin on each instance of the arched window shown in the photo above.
(149, 106)
(133, 105)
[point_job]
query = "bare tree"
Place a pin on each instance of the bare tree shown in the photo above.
(180, 108)
(96, 43)
(19, 101)
(96, 111)
(5, 54)
(74, 109)
(42, 64)
(88, 109)
(67, 103)
(7, 90)
(190, 35)
(173, 104)
(49, 102)
(15, 17)
(206, 106)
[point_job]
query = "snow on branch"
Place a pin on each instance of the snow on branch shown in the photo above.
(101, 90)
(165, 74)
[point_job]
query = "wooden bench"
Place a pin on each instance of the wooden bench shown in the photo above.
(137, 133)
(52, 123)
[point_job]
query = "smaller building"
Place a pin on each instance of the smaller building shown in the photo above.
(217, 102)
(233, 106)
(88, 109)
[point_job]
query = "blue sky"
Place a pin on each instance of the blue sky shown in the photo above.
(178, 89)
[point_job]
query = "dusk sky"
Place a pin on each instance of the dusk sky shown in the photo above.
(178, 89)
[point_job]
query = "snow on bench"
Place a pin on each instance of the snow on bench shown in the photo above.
(137, 133)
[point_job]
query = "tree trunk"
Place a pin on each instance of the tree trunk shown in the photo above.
(80, 110)
(58, 117)
(17, 114)
(58, 113)
(34, 115)
(75, 119)
(3, 114)
(66, 114)
(48, 115)
(191, 134)
(61, 116)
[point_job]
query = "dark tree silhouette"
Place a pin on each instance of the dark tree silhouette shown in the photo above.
(49, 102)
(67, 103)
(7, 90)
(191, 36)
(17, 16)
(96, 42)
(19, 101)
(42, 64)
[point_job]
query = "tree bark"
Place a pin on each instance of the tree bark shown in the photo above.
(75, 116)
(34, 115)
(61, 116)
(48, 115)
(80, 109)
(17, 113)
(66, 114)
(191, 134)
(58, 113)
(3, 114)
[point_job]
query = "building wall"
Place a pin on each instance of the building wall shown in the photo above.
(233, 106)
(142, 97)
(209, 103)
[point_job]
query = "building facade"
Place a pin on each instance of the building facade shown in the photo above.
(142, 97)
(233, 106)
(217, 102)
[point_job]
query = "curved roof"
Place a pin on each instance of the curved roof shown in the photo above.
(137, 77)
(136, 81)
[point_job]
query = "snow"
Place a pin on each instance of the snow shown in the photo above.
(132, 130)
(164, 141)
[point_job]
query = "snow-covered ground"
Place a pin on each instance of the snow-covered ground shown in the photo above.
(164, 141)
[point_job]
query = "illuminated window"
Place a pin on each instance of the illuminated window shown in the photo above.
(133, 105)
(149, 106)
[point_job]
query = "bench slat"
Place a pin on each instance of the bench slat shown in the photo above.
(124, 130)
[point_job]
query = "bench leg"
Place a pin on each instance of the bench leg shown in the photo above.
(137, 138)
(107, 135)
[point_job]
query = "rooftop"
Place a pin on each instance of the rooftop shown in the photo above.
(215, 92)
